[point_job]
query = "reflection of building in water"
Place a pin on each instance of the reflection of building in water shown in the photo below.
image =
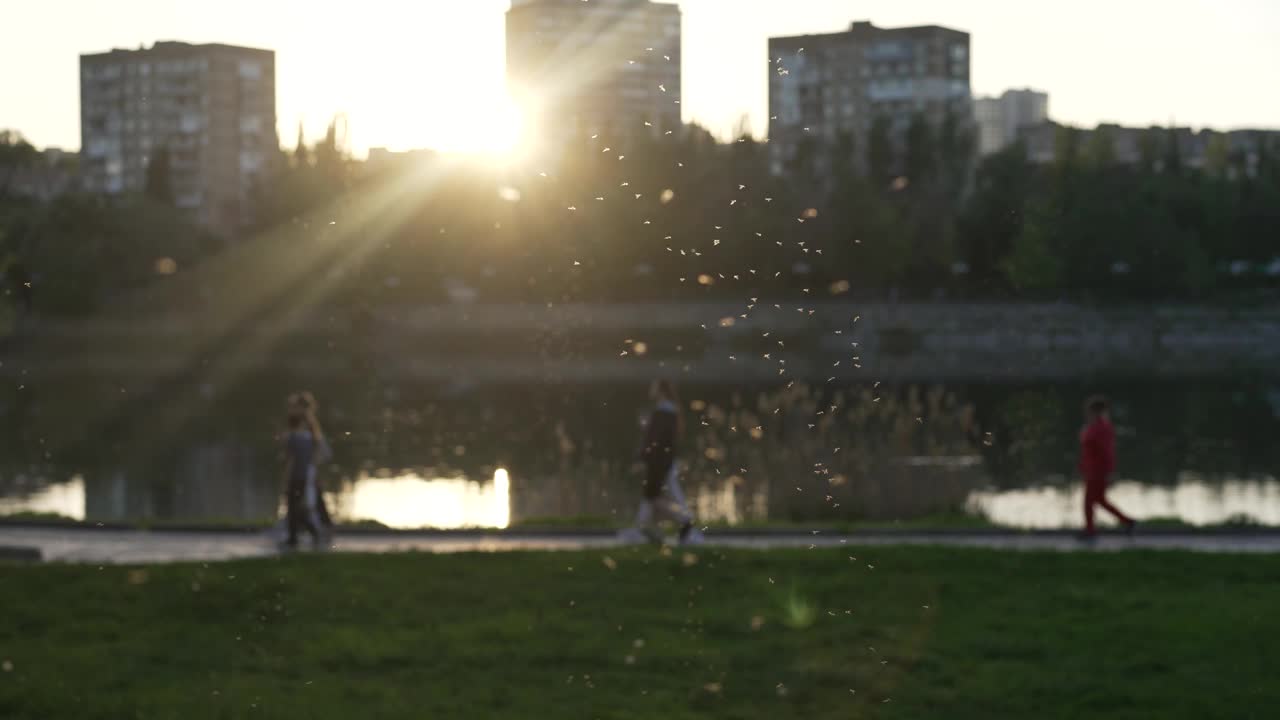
(66, 499)
(911, 487)
(591, 494)
(596, 488)
(411, 501)
(210, 482)
(107, 497)
(223, 481)
(1192, 500)
(720, 502)
(883, 489)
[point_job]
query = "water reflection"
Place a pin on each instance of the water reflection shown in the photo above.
(412, 501)
(829, 452)
(66, 499)
(1192, 499)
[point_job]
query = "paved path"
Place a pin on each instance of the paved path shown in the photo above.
(102, 546)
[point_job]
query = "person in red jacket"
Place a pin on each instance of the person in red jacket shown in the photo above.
(1097, 462)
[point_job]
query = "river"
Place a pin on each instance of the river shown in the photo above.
(412, 453)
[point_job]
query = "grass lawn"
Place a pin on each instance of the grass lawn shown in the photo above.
(894, 633)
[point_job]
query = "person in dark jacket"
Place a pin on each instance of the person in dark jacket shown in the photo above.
(1098, 462)
(661, 492)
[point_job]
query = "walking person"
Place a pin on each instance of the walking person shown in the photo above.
(305, 403)
(662, 496)
(299, 453)
(1097, 463)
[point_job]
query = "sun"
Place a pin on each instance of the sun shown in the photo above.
(493, 126)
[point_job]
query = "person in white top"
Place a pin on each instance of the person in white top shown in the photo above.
(305, 404)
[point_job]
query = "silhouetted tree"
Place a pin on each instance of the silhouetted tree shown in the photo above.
(1172, 152)
(957, 146)
(301, 158)
(1149, 144)
(15, 153)
(1101, 149)
(1217, 156)
(922, 151)
(159, 186)
(879, 151)
(993, 218)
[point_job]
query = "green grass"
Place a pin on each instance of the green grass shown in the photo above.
(631, 633)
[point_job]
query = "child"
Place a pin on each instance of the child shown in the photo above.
(305, 404)
(299, 449)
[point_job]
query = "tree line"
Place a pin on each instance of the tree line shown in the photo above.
(685, 217)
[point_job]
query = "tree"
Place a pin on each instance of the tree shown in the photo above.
(1172, 152)
(1035, 263)
(1100, 152)
(1217, 156)
(879, 151)
(85, 251)
(804, 165)
(159, 187)
(15, 153)
(844, 161)
(315, 176)
(301, 158)
(331, 157)
(1066, 149)
(14, 148)
(922, 151)
(1149, 149)
(992, 220)
(956, 145)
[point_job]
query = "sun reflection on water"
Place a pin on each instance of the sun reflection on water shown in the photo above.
(411, 501)
(66, 499)
(1192, 499)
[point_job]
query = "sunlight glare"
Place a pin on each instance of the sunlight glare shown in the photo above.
(496, 128)
(410, 500)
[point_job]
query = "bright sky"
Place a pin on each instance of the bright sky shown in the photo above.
(417, 73)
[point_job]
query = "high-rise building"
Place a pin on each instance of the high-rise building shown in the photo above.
(823, 88)
(211, 108)
(1000, 118)
(606, 66)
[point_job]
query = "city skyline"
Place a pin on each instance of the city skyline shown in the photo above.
(434, 76)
